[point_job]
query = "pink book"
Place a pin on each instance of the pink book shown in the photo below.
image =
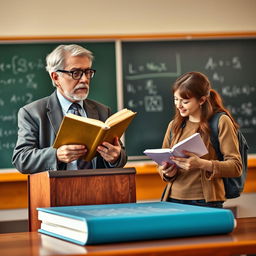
(193, 144)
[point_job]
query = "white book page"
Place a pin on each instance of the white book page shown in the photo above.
(87, 120)
(193, 144)
(67, 222)
(67, 232)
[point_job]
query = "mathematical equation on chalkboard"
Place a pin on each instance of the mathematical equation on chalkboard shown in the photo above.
(232, 92)
(145, 74)
(18, 86)
(20, 72)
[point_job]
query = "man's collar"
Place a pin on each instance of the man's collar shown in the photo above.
(65, 103)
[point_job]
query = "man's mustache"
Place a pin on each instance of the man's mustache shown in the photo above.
(81, 86)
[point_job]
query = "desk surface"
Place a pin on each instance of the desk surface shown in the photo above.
(241, 241)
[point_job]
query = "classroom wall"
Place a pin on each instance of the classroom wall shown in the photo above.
(112, 17)
(30, 18)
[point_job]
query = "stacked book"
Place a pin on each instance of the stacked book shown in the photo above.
(96, 224)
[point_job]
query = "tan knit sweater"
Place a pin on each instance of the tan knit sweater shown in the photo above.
(201, 184)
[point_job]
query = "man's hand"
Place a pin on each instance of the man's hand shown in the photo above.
(69, 153)
(110, 152)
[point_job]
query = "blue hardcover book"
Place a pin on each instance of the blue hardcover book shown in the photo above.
(94, 224)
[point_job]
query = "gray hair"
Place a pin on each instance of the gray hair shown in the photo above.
(56, 59)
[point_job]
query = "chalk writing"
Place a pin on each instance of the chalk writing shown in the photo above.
(217, 65)
(7, 146)
(8, 132)
(247, 124)
(148, 90)
(245, 109)
(8, 118)
(20, 65)
(236, 90)
(151, 87)
(26, 98)
(153, 103)
(26, 80)
(153, 70)
(213, 63)
(217, 77)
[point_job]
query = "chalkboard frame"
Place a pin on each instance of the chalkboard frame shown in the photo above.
(126, 38)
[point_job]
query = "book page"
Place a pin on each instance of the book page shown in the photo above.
(115, 115)
(193, 144)
(73, 223)
(53, 246)
(80, 236)
(159, 155)
(87, 120)
(119, 116)
(118, 128)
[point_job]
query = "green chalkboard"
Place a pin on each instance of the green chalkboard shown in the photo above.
(23, 79)
(150, 68)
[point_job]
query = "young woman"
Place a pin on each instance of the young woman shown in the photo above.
(195, 180)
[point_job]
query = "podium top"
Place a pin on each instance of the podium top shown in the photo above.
(91, 172)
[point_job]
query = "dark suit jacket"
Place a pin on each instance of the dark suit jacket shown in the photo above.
(38, 124)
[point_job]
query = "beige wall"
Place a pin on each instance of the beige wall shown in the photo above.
(117, 17)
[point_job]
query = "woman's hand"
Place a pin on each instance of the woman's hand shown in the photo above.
(169, 170)
(192, 162)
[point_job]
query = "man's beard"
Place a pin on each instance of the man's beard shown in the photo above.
(73, 96)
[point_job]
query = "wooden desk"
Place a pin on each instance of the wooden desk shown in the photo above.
(241, 241)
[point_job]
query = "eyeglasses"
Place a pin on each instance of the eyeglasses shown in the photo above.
(78, 73)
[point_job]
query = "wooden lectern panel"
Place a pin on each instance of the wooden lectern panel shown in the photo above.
(82, 187)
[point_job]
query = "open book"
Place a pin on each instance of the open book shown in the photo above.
(81, 130)
(193, 144)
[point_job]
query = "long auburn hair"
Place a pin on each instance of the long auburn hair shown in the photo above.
(196, 84)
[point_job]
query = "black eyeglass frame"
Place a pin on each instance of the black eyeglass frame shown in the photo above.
(88, 71)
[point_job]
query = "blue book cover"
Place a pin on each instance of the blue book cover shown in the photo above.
(94, 224)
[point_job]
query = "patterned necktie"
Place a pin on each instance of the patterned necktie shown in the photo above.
(81, 164)
(74, 109)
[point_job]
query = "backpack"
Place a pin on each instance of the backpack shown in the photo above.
(233, 186)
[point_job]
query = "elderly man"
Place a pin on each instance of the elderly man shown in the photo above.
(70, 69)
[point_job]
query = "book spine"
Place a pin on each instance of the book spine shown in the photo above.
(155, 227)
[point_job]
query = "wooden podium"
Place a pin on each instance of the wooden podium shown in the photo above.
(80, 187)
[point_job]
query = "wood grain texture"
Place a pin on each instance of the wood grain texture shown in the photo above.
(241, 241)
(90, 187)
